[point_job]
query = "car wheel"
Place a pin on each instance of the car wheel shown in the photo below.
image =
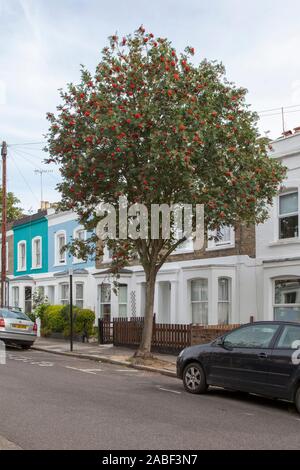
(194, 379)
(25, 346)
(297, 399)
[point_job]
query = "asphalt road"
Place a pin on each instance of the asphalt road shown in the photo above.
(55, 402)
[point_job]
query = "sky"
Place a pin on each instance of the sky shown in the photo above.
(43, 43)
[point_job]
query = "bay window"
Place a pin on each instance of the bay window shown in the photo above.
(122, 297)
(199, 301)
(287, 299)
(224, 300)
(15, 297)
(79, 294)
(64, 294)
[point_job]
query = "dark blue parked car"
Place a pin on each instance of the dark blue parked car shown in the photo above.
(261, 358)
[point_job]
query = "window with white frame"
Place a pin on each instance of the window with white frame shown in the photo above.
(22, 256)
(186, 245)
(122, 297)
(41, 291)
(64, 294)
(199, 301)
(15, 297)
(223, 237)
(37, 252)
(51, 294)
(105, 301)
(79, 294)
(287, 299)
(288, 215)
(60, 253)
(107, 254)
(79, 234)
(224, 300)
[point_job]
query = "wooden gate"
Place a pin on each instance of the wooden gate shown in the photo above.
(105, 331)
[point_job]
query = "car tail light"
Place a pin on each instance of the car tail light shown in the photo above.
(35, 328)
(2, 323)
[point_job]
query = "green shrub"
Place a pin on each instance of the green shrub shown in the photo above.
(83, 321)
(45, 332)
(52, 319)
(56, 319)
(39, 312)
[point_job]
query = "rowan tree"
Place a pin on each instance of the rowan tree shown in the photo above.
(159, 127)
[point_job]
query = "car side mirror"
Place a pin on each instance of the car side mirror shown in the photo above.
(220, 342)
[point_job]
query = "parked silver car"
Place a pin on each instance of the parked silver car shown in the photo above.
(16, 328)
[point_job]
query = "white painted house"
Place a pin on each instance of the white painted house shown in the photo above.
(278, 240)
(246, 273)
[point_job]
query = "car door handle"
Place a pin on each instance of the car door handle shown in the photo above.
(263, 355)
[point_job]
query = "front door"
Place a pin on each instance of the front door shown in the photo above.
(245, 360)
(28, 299)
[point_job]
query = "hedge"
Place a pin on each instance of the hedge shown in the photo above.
(56, 319)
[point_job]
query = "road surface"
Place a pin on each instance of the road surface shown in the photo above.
(56, 402)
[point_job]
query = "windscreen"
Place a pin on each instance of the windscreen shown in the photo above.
(13, 314)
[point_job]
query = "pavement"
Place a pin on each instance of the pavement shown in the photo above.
(162, 363)
(53, 401)
(7, 445)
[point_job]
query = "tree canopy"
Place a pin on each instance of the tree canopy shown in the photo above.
(157, 126)
(14, 211)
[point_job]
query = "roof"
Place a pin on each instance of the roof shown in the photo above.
(67, 272)
(30, 218)
(111, 271)
(281, 260)
(285, 146)
(22, 278)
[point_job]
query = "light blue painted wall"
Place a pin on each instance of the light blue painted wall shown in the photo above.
(27, 232)
(69, 228)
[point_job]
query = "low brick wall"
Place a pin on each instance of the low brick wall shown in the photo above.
(202, 334)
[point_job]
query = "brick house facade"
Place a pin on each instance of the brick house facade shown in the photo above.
(193, 286)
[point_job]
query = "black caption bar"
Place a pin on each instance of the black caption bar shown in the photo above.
(138, 459)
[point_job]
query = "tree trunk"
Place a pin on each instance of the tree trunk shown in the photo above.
(144, 349)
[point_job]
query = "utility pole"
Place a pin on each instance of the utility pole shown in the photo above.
(41, 172)
(71, 307)
(3, 224)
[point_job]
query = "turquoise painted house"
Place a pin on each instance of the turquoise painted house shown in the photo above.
(31, 245)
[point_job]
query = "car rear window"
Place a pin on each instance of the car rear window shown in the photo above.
(290, 337)
(13, 314)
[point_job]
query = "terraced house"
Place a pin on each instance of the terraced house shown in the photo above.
(249, 271)
(30, 246)
(40, 263)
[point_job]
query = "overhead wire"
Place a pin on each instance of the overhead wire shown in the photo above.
(24, 179)
(24, 155)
